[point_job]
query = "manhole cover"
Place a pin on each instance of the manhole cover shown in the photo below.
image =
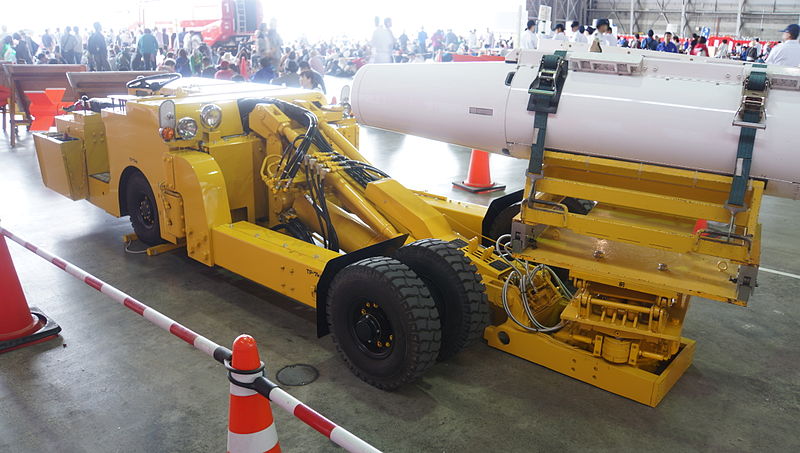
(296, 375)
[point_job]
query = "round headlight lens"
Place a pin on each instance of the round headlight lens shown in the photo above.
(187, 128)
(211, 116)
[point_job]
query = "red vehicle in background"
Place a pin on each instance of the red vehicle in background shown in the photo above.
(237, 22)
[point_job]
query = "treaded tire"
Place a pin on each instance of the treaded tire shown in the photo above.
(142, 209)
(502, 223)
(456, 288)
(406, 306)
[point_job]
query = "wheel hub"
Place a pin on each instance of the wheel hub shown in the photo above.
(368, 329)
(373, 331)
(146, 211)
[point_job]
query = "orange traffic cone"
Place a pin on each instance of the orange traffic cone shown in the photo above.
(479, 178)
(250, 424)
(19, 325)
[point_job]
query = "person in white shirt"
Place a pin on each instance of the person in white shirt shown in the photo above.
(722, 50)
(488, 39)
(529, 40)
(559, 34)
(382, 43)
(472, 39)
(580, 35)
(787, 53)
(604, 35)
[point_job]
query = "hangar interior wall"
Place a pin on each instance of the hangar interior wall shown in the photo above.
(744, 18)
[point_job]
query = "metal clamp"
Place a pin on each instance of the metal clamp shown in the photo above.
(751, 103)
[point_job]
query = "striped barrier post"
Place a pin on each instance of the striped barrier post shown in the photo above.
(221, 354)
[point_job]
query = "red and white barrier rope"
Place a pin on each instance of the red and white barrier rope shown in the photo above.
(312, 418)
(154, 316)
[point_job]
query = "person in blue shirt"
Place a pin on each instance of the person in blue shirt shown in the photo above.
(148, 46)
(422, 39)
(650, 43)
(667, 45)
(266, 73)
(182, 63)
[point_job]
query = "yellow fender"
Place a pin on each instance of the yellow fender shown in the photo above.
(199, 181)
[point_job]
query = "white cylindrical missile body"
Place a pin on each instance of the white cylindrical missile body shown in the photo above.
(665, 111)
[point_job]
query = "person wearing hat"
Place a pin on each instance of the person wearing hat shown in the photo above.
(787, 53)
(579, 37)
(603, 34)
(529, 40)
(225, 72)
(559, 34)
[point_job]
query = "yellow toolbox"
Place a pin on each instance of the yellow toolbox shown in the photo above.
(62, 163)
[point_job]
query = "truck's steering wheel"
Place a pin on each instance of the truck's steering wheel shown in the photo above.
(152, 82)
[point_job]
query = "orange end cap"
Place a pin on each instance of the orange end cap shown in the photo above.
(701, 224)
(245, 353)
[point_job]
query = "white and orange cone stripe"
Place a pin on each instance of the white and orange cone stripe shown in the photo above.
(251, 427)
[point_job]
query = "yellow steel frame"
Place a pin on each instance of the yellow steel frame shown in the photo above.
(635, 260)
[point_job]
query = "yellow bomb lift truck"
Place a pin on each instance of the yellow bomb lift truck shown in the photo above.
(268, 183)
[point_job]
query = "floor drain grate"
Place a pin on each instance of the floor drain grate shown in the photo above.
(297, 375)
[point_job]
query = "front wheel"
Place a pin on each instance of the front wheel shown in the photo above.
(143, 210)
(384, 323)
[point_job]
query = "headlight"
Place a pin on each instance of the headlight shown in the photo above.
(187, 128)
(211, 116)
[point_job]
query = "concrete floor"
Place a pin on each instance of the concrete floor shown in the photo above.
(114, 382)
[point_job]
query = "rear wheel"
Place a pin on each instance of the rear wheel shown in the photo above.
(456, 289)
(142, 209)
(384, 323)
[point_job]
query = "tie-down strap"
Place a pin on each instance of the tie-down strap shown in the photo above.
(545, 91)
(750, 117)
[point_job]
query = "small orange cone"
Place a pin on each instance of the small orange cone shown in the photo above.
(479, 178)
(251, 427)
(19, 325)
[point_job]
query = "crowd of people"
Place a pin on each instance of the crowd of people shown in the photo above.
(264, 57)
(786, 53)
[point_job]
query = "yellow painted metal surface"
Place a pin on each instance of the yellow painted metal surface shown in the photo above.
(205, 201)
(464, 218)
(61, 163)
(236, 162)
(628, 381)
(407, 211)
(282, 263)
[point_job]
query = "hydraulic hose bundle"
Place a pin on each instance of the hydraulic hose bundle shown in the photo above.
(296, 156)
(522, 276)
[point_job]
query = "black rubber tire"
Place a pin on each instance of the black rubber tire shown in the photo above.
(456, 288)
(502, 223)
(408, 308)
(142, 209)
